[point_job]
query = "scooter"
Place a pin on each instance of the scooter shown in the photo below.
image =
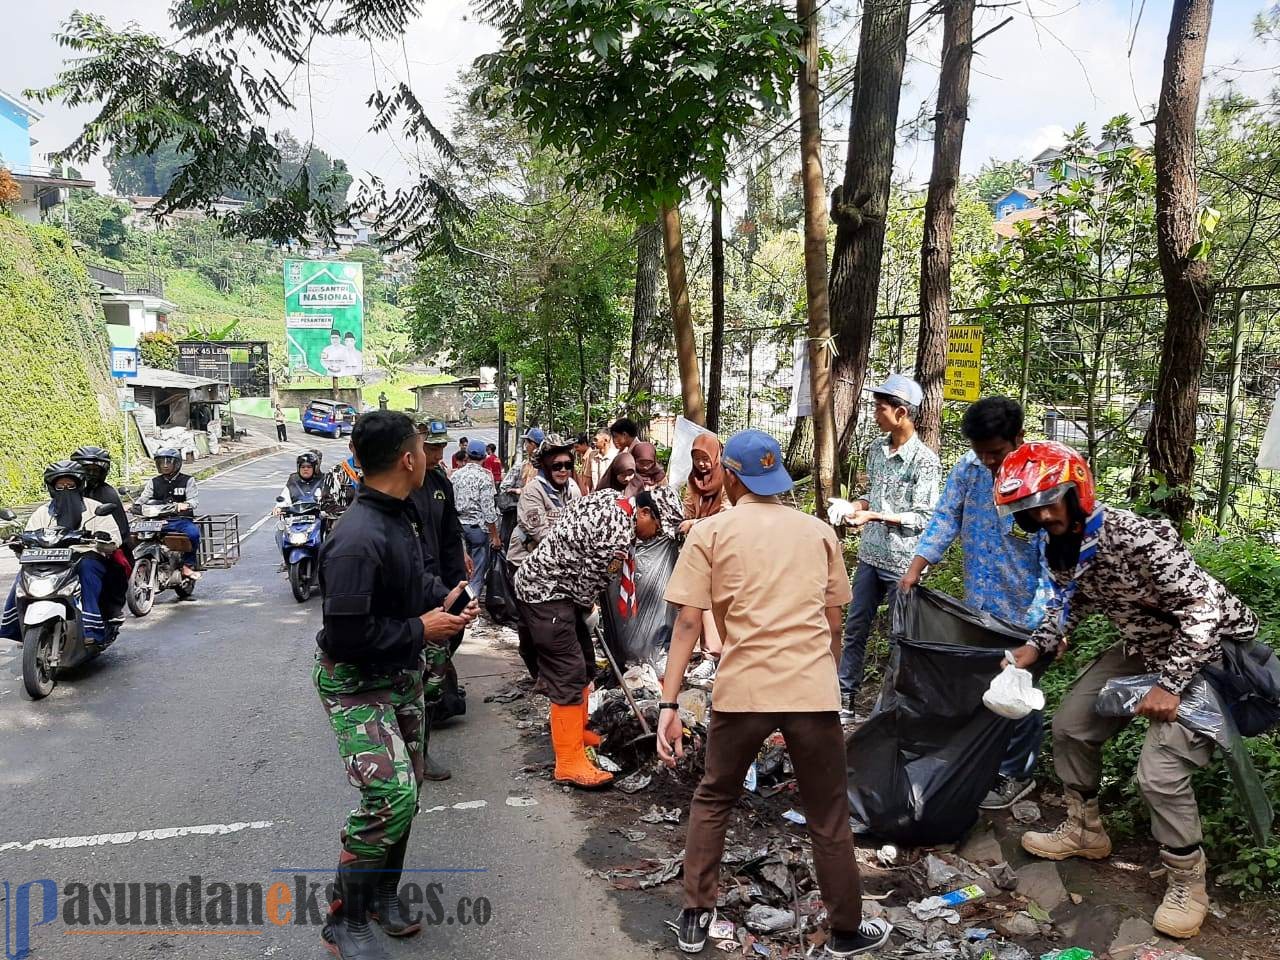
(157, 558)
(299, 533)
(48, 600)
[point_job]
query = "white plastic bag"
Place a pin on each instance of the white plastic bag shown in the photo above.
(1269, 452)
(839, 511)
(686, 431)
(1012, 693)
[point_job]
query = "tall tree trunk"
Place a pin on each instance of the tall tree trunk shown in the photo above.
(940, 214)
(715, 363)
(1188, 287)
(682, 317)
(815, 264)
(645, 332)
(860, 204)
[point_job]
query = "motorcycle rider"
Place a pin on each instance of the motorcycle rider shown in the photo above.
(304, 486)
(171, 485)
(96, 464)
(69, 511)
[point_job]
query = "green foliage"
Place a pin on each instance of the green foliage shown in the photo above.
(97, 222)
(159, 350)
(1251, 570)
(646, 97)
(998, 177)
(54, 370)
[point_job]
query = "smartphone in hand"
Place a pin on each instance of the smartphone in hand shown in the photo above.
(465, 597)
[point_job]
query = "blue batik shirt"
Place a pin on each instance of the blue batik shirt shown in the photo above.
(1004, 569)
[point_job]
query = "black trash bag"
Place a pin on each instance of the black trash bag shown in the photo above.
(500, 590)
(924, 760)
(646, 636)
(1248, 681)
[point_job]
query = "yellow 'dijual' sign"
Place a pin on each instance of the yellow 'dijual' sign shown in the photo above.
(964, 364)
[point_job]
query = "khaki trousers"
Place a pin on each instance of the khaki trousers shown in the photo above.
(816, 745)
(1169, 756)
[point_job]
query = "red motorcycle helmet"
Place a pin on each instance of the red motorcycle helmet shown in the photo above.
(1039, 473)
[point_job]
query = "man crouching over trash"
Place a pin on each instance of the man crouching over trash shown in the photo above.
(1173, 618)
(775, 582)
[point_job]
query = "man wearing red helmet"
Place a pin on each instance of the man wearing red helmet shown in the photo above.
(1173, 618)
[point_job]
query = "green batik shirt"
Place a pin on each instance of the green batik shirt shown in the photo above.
(902, 484)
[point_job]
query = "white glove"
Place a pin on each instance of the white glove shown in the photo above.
(840, 511)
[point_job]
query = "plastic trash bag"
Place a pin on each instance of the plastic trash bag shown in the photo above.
(1202, 710)
(500, 591)
(1013, 693)
(923, 761)
(1198, 711)
(1269, 450)
(644, 637)
(686, 431)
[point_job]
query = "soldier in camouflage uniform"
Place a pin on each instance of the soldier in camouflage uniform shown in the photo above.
(1173, 619)
(379, 622)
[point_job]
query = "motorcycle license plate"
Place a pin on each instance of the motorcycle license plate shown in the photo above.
(147, 526)
(46, 555)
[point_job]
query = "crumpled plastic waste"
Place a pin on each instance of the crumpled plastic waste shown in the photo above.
(932, 908)
(648, 873)
(657, 814)
(1012, 692)
(939, 873)
(1070, 953)
(1025, 811)
(763, 918)
(635, 782)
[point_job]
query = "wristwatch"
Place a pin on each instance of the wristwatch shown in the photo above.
(668, 705)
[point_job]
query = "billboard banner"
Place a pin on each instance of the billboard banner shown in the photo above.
(324, 317)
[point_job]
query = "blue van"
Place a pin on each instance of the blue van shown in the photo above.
(330, 417)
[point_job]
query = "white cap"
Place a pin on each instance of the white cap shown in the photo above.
(903, 388)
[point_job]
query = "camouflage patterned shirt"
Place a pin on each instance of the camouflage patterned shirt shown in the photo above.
(1170, 612)
(583, 550)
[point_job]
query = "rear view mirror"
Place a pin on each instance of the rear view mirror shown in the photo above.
(104, 510)
(7, 515)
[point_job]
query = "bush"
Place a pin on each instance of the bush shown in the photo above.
(159, 350)
(1251, 570)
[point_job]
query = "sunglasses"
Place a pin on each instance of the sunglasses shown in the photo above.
(561, 465)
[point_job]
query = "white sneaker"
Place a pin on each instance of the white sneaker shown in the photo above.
(704, 674)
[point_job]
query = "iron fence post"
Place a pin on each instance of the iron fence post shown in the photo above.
(1024, 385)
(1229, 423)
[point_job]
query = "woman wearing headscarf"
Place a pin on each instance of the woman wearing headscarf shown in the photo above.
(704, 496)
(648, 469)
(652, 477)
(544, 497)
(621, 476)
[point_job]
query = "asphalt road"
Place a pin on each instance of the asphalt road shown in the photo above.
(203, 716)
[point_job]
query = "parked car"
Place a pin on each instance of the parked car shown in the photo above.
(330, 417)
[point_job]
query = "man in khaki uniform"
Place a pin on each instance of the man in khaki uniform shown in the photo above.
(775, 581)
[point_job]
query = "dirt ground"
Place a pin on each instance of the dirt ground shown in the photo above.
(1103, 907)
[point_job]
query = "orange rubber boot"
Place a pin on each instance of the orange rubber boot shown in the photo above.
(572, 765)
(589, 737)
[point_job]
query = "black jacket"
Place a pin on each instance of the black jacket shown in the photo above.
(373, 585)
(442, 544)
(106, 493)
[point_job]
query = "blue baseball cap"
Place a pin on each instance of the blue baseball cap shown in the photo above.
(900, 388)
(477, 450)
(756, 459)
(535, 434)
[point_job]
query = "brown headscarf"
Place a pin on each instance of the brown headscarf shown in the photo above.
(705, 494)
(609, 480)
(653, 475)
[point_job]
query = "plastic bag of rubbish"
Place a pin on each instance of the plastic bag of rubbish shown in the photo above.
(923, 761)
(1201, 709)
(1013, 692)
(645, 636)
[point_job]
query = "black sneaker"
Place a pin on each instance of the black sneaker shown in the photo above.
(1006, 793)
(694, 924)
(871, 935)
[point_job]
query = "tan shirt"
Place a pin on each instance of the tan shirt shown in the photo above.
(768, 573)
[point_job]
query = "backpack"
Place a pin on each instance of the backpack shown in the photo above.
(1249, 683)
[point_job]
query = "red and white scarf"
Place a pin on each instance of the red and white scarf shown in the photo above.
(627, 602)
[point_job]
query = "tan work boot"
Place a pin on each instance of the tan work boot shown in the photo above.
(1080, 835)
(1185, 900)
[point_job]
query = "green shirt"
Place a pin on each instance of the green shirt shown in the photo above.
(903, 485)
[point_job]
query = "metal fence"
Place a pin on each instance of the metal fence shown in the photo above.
(1084, 369)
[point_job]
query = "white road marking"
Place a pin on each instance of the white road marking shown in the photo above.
(521, 802)
(463, 805)
(255, 527)
(158, 833)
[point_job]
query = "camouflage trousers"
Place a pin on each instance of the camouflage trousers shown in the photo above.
(380, 723)
(435, 656)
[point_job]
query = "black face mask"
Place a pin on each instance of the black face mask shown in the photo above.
(1063, 553)
(68, 509)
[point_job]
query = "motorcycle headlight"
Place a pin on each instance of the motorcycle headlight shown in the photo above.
(40, 587)
(297, 539)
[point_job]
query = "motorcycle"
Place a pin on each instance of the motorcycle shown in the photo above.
(48, 599)
(299, 533)
(157, 558)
